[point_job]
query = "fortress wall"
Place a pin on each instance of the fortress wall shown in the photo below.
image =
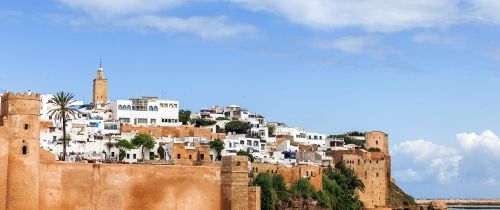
(174, 131)
(373, 172)
(4, 154)
(108, 186)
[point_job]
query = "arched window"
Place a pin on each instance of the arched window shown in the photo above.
(129, 107)
(25, 150)
(120, 107)
(155, 108)
(150, 108)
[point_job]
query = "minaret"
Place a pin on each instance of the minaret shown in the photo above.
(100, 88)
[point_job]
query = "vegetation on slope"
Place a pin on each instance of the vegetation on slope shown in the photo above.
(338, 193)
(400, 200)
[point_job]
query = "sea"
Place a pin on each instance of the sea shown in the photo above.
(473, 207)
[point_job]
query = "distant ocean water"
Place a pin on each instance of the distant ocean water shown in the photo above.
(473, 207)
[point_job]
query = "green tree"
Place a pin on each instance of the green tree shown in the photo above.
(161, 152)
(123, 145)
(202, 122)
(340, 184)
(218, 145)
(184, 116)
(143, 141)
(246, 153)
(271, 129)
(303, 188)
(268, 196)
(279, 187)
(237, 126)
(63, 112)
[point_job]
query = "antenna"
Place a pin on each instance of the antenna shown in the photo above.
(100, 63)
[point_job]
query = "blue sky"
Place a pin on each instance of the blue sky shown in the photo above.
(427, 72)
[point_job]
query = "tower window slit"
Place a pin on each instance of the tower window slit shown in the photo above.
(25, 150)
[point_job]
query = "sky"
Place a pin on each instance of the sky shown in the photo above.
(426, 72)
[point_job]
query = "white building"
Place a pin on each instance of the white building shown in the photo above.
(146, 111)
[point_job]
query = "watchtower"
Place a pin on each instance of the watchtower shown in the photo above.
(377, 139)
(235, 182)
(20, 130)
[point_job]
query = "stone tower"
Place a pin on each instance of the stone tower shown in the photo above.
(100, 88)
(377, 139)
(234, 174)
(19, 153)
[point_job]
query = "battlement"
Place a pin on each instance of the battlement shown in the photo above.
(20, 103)
(235, 163)
(25, 95)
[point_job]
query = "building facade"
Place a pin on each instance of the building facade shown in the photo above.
(146, 111)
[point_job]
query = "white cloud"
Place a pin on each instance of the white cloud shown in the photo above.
(485, 143)
(428, 161)
(371, 15)
(475, 159)
(145, 16)
(206, 28)
(486, 11)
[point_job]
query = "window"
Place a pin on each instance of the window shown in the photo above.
(178, 156)
(242, 142)
(262, 147)
(249, 142)
(120, 107)
(151, 155)
(190, 157)
(152, 121)
(125, 120)
(112, 154)
(142, 120)
(54, 138)
(359, 161)
(26, 126)
(202, 156)
(255, 143)
(376, 142)
(155, 108)
(377, 174)
(25, 150)
(128, 156)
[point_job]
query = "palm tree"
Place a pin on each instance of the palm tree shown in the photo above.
(62, 101)
(109, 145)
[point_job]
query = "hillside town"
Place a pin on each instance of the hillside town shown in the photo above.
(155, 131)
